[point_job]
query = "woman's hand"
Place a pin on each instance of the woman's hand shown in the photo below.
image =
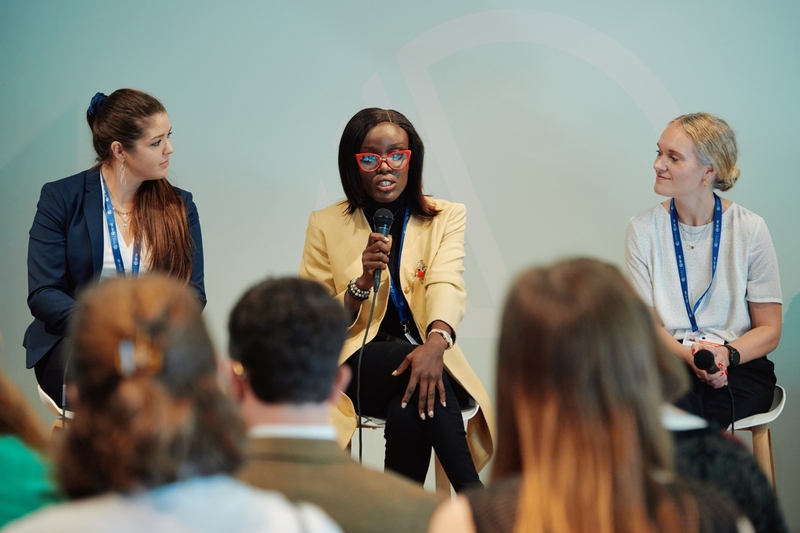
(721, 361)
(427, 366)
(374, 257)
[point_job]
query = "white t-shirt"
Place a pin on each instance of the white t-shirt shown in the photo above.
(215, 504)
(747, 270)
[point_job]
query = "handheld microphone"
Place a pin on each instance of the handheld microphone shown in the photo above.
(383, 221)
(704, 360)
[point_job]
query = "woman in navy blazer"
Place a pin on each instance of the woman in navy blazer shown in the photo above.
(121, 217)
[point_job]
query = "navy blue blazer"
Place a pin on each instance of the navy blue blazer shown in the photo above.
(65, 253)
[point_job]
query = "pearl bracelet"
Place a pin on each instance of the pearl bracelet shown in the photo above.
(355, 292)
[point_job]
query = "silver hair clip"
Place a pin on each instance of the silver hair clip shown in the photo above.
(127, 365)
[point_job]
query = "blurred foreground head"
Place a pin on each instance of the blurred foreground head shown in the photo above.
(148, 410)
(579, 395)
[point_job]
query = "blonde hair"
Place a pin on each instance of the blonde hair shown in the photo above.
(715, 143)
(579, 396)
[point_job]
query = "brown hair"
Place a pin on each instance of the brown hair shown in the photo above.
(578, 404)
(715, 143)
(149, 410)
(353, 136)
(159, 215)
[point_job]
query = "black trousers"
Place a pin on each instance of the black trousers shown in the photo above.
(50, 372)
(752, 385)
(409, 439)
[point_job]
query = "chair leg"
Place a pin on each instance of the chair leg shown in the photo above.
(762, 449)
(442, 481)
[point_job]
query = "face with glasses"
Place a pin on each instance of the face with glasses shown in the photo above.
(383, 162)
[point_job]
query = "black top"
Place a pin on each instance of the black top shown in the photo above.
(390, 325)
(720, 460)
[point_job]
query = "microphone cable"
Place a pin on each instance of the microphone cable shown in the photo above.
(358, 376)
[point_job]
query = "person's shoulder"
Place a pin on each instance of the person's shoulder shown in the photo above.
(397, 485)
(74, 184)
(445, 206)
(336, 212)
(648, 216)
(742, 215)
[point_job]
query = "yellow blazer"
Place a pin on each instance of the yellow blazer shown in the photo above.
(332, 256)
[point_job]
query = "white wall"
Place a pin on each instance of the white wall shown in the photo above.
(541, 116)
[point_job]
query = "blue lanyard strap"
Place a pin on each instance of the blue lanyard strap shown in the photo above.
(112, 233)
(676, 239)
(394, 292)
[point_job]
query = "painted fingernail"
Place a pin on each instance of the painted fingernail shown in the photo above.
(403, 405)
(430, 414)
(394, 373)
(422, 416)
(444, 404)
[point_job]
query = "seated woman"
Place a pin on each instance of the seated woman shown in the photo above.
(121, 217)
(413, 372)
(580, 445)
(707, 269)
(154, 438)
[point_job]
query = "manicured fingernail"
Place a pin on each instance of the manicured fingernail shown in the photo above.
(403, 405)
(444, 404)
(422, 416)
(394, 374)
(430, 414)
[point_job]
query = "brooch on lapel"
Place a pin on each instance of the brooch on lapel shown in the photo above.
(421, 268)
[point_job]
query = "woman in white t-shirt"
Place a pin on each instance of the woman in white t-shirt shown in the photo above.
(708, 270)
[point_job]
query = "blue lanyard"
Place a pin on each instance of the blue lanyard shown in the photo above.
(676, 239)
(112, 233)
(394, 292)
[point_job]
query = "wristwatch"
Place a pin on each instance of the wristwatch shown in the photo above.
(734, 354)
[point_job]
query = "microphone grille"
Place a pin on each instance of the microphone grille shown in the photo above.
(383, 217)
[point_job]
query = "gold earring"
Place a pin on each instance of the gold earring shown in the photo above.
(705, 182)
(122, 179)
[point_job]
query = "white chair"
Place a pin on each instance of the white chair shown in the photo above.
(441, 480)
(53, 407)
(758, 425)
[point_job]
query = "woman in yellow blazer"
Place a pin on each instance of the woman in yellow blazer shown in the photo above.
(412, 372)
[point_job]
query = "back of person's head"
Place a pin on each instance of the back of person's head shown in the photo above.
(287, 333)
(17, 416)
(148, 409)
(578, 400)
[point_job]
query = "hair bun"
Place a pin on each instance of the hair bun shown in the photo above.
(94, 105)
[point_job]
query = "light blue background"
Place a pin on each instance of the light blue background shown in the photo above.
(542, 120)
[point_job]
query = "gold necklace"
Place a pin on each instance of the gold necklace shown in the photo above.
(698, 233)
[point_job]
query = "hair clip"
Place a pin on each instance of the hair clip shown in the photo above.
(135, 355)
(127, 365)
(97, 99)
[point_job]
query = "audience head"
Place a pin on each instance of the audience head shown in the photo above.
(353, 137)
(579, 396)
(715, 143)
(148, 409)
(287, 334)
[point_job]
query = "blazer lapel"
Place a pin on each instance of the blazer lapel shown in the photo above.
(93, 211)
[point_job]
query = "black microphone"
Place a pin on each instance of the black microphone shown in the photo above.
(704, 360)
(383, 221)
